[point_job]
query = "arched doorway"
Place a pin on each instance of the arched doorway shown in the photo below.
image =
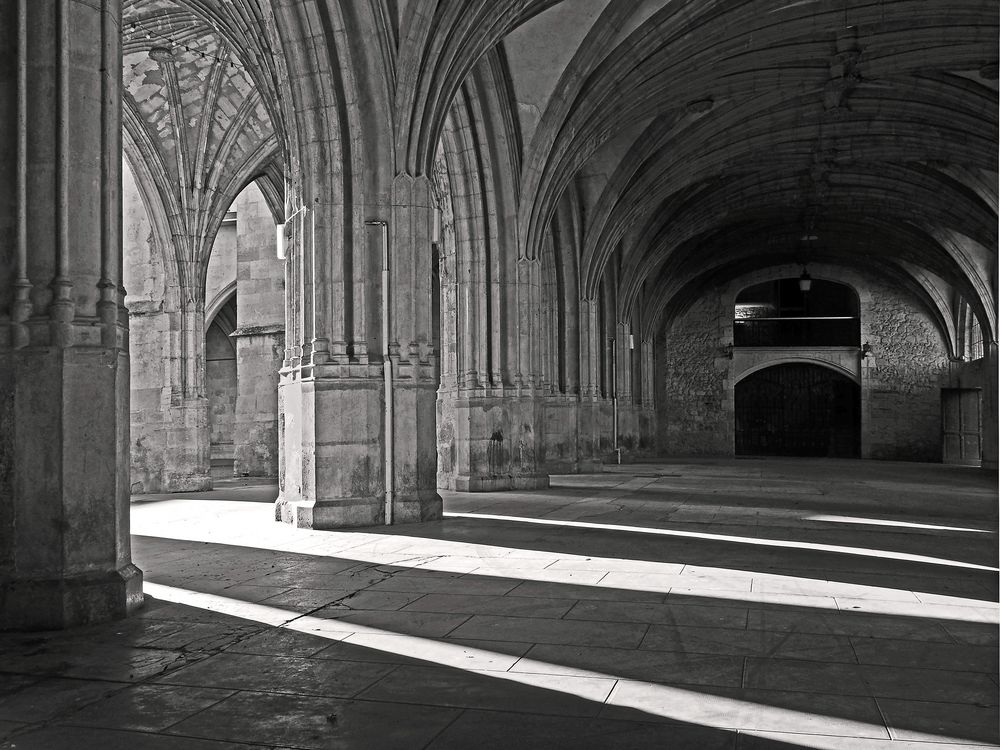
(220, 384)
(798, 409)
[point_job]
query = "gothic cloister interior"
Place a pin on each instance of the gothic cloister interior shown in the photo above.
(499, 373)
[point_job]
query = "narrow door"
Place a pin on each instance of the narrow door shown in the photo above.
(961, 423)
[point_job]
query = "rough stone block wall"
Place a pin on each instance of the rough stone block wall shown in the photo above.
(901, 380)
(907, 368)
(446, 448)
(221, 271)
(260, 337)
(561, 435)
(691, 418)
(157, 425)
(258, 359)
(220, 385)
(636, 426)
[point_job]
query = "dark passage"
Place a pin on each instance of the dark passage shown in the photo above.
(797, 410)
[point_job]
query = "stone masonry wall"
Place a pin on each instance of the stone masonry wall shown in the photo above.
(220, 385)
(259, 338)
(903, 378)
(150, 332)
(241, 387)
(691, 418)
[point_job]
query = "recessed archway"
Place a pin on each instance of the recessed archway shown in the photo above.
(798, 409)
(221, 387)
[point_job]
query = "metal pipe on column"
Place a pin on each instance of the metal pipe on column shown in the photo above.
(386, 370)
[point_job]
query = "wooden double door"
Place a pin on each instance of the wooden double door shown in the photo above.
(798, 410)
(961, 426)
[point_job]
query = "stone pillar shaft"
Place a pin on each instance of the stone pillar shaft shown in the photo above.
(333, 404)
(64, 533)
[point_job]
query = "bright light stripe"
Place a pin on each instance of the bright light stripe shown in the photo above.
(857, 551)
(955, 609)
(466, 558)
(900, 524)
(689, 706)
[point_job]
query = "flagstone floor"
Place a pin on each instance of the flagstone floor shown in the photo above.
(740, 604)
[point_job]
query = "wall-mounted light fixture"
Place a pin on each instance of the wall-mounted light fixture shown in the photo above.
(805, 281)
(866, 349)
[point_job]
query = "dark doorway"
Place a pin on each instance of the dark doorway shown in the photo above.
(798, 410)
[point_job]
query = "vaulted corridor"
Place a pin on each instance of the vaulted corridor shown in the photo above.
(400, 373)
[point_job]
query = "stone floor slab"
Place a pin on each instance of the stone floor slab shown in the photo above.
(662, 614)
(945, 656)
(563, 695)
(34, 700)
(565, 632)
(77, 738)
(922, 721)
(425, 624)
(542, 589)
(280, 674)
(782, 645)
(488, 730)
(148, 708)
(750, 710)
(320, 723)
(509, 605)
(652, 666)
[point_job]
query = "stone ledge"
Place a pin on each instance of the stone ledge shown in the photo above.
(467, 483)
(268, 330)
(355, 512)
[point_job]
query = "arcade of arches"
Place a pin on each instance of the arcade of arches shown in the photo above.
(469, 245)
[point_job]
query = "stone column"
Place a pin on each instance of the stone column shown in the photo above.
(498, 412)
(415, 360)
(260, 338)
(65, 557)
(589, 451)
(332, 390)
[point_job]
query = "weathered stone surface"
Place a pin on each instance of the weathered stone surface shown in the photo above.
(900, 380)
(693, 417)
(903, 378)
(495, 444)
(65, 555)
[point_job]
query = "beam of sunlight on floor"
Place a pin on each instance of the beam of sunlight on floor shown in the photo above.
(674, 703)
(679, 581)
(898, 524)
(812, 546)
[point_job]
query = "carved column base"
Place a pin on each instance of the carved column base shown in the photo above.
(171, 449)
(494, 441)
(56, 603)
(499, 484)
(64, 510)
(334, 454)
(352, 512)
